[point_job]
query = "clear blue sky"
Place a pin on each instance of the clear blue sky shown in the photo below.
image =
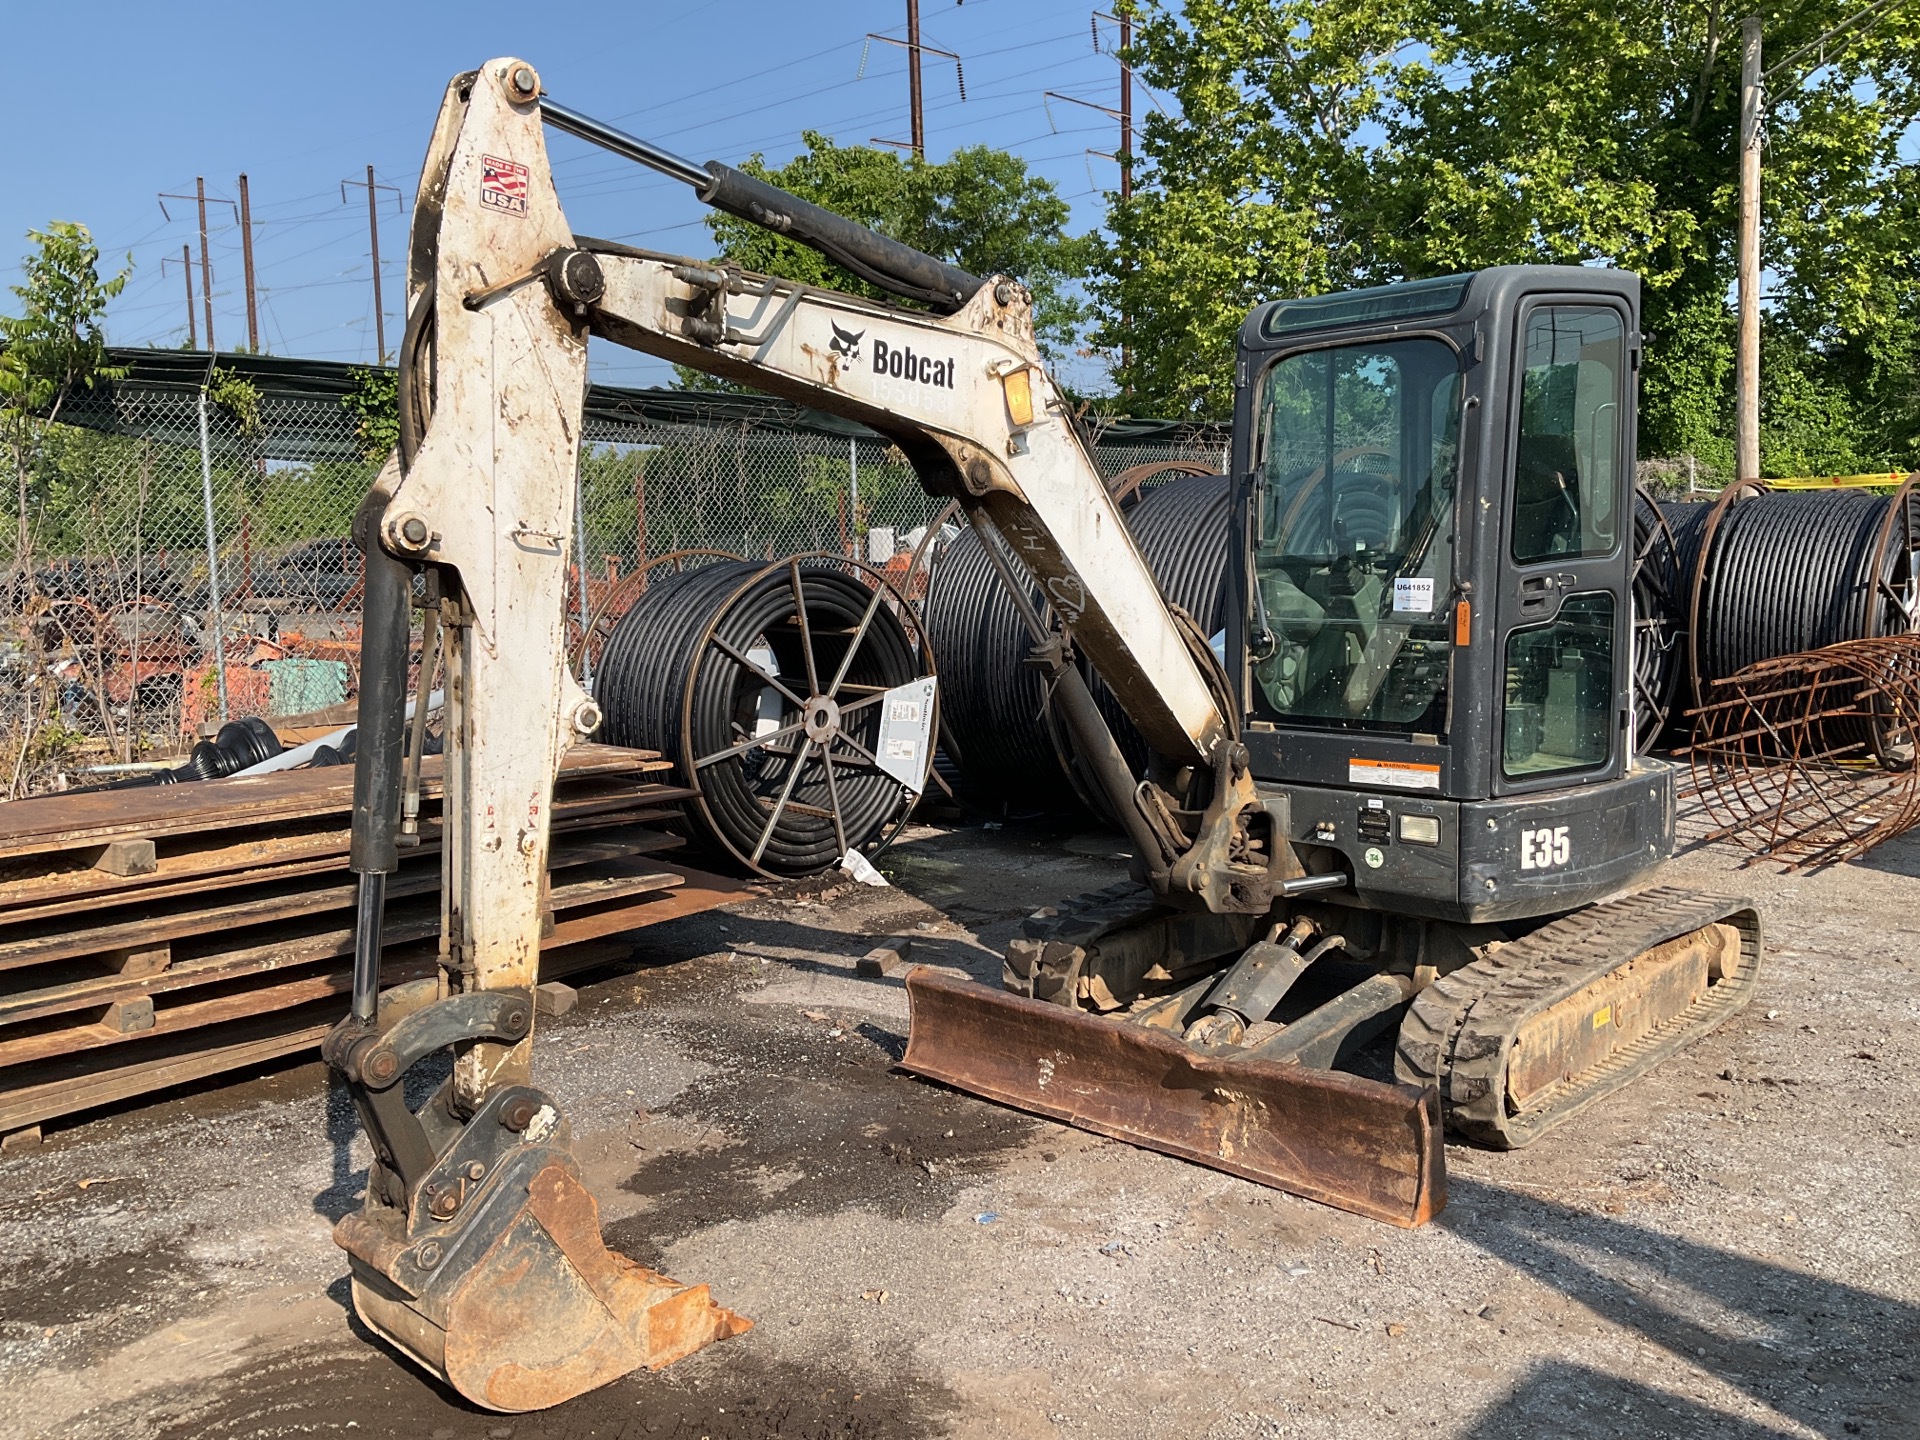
(123, 101)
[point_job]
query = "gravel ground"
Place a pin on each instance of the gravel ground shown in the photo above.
(1727, 1249)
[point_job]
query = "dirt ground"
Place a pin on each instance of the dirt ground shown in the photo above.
(1727, 1249)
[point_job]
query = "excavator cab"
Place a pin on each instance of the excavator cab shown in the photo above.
(1434, 649)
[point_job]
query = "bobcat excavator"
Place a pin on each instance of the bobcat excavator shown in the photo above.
(1406, 801)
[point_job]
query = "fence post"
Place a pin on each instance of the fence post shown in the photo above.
(640, 528)
(213, 562)
(853, 491)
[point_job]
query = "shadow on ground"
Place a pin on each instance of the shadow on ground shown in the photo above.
(1838, 1359)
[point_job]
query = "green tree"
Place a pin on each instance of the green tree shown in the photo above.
(374, 406)
(52, 349)
(979, 209)
(1322, 147)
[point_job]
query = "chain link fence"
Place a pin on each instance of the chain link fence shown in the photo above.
(165, 529)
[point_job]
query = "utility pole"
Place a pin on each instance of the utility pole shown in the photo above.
(1126, 114)
(373, 235)
(1746, 409)
(246, 259)
(1753, 100)
(919, 131)
(186, 273)
(206, 263)
(201, 200)
(914, 49)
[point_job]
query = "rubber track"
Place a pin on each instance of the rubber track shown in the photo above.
(1458, 1034)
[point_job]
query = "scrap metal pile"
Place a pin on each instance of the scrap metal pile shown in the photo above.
(1809, 758)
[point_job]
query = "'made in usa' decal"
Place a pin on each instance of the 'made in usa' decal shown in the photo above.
(902, 364)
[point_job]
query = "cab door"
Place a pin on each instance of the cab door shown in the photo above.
(1564, 620)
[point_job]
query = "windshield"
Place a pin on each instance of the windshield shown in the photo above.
(1353, 552)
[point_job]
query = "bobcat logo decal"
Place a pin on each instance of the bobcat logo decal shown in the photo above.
(846, 343)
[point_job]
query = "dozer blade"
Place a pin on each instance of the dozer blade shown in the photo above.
(1357, 1144)
(520, 1305)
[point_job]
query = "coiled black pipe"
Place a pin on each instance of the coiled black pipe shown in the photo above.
(992, 702)
(1659, 620)
(1783, 572)
(1687, 524)
(1012, 751)
(672, 679)
(1181, 529)
(1789, 571)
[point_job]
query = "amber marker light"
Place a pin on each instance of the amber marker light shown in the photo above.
(1019, 387)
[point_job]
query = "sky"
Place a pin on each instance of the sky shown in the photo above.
(144, 98)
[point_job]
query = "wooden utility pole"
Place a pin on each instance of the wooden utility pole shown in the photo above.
(919, 131)
(915, 49)
(200, 199)
(206, 261)
(186, 271)
(373, 236)
(1746, 409)
(246, 259)
(1126, 113)
(373, 232)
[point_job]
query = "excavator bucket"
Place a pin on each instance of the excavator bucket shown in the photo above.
(1356, 1144)
(477, 1251)
(525, 1306)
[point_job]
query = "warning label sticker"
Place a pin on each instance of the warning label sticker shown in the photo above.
(1414, 594)
(503, 185)
(1399, 774)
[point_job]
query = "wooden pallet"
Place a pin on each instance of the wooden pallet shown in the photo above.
(153, 936)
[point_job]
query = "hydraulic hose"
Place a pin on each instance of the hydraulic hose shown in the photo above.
(374, 851)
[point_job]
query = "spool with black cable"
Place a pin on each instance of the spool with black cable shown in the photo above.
(770, 687)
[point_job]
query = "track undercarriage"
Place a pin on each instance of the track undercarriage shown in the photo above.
(1250, 1043)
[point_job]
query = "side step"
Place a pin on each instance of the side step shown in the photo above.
(1551, 1023)
(1360, 1145)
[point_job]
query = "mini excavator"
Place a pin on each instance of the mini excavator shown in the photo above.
(1405, 804)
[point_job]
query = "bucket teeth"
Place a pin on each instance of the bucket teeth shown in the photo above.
(533, 1311)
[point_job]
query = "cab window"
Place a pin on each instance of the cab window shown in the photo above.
(1354, 536)
(1567, 455)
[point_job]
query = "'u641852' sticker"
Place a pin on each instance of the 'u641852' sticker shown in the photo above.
(503, 185)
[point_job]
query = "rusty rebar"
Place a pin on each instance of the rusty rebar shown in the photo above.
(1809, 759)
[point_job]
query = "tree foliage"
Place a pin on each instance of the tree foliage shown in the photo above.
(1321, 147)
(374, 407)
(53, 348)
(979, 209)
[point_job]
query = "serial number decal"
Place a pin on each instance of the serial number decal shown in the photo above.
(1545, 849)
